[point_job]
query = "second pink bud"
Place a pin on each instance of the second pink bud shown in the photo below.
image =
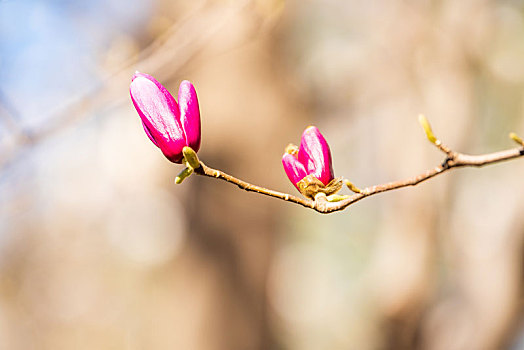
(313, 157)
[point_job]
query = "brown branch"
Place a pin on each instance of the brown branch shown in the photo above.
(322, 205)
(207, 171)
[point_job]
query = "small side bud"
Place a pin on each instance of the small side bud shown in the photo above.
(516, 138)
(183, 174)
(292, 149)
(352, 187)
(191, 157)
(427, 129)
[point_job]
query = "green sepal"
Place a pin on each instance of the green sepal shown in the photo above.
(183, 174)
(191, 157)
(309, 186)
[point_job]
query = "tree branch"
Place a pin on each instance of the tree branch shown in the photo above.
(207, 171)
(322, 205)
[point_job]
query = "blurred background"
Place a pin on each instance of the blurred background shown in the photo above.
(99, 249)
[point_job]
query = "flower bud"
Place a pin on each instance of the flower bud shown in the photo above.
(169, 125)
(315, 155)
(310, 169)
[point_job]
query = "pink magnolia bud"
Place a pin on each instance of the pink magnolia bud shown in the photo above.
(313, 158)
(169, 125)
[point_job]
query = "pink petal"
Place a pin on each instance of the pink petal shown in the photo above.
(294, 169)
(189, 114)
(160, 115)
(314, 154)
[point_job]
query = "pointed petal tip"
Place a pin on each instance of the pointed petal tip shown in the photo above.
(311, 128)
(186, 85)
(136, 75)
(138, 81)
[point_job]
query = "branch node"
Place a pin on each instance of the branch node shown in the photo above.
(448, 162)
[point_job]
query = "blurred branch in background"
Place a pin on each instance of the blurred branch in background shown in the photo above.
(165, 56)
(11, 118)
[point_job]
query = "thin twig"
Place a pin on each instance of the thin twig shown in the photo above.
(322, 205)
(207, 171)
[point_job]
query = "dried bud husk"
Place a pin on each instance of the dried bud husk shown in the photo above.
(310, 186)
(333, 186)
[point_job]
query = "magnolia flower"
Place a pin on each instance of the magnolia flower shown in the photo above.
(170, 125)
(309, 166)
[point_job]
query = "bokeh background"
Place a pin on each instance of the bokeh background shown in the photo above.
(99, 249)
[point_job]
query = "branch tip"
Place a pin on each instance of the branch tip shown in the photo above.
(516, 138)
(427, 129)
